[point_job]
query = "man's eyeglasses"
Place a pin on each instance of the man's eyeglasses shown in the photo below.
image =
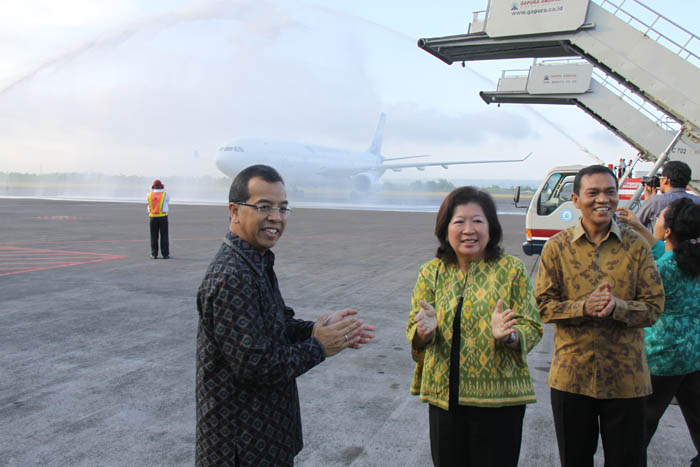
(266, 209)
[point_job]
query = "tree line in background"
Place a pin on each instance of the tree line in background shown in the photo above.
(96, 178)
(444, 186)
(144, 183)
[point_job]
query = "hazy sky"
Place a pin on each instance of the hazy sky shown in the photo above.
(136, 87)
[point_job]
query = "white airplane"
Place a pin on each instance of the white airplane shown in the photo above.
(309, 165)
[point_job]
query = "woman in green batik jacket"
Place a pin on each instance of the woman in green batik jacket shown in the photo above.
(473, 320)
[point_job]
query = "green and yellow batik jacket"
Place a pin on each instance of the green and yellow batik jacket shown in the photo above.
(490, 374)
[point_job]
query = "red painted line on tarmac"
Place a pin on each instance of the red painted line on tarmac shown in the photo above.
(33, 263)
(57, 218)
(78, 242)
(17, 260)
(42, 254)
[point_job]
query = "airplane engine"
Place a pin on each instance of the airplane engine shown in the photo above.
(365, 182)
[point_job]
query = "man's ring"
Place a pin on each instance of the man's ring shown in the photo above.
(346, 338)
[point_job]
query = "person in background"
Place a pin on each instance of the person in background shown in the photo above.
(158, 214)
(622, 166)
(598, 285)
(472, 322)
(673, 342)
(673, 181)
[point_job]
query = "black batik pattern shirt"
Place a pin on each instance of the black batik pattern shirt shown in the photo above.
(250, 350)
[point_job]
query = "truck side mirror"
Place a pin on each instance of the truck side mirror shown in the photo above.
(516, 196)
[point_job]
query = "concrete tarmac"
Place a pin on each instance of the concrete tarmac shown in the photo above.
(97, 340)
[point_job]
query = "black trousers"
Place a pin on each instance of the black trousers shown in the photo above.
(686, 388)
(159, 226)
(579, 419)
(476, 436)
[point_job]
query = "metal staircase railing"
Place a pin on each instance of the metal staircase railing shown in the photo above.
(644, 106)
(478, 22)
(647, 108)
(651, 23)
(675, 38)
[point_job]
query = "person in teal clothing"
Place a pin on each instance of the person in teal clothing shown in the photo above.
(673, 342)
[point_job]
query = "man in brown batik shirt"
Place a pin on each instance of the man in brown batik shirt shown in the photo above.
(599, 285)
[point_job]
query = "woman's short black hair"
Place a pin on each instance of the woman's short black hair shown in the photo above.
(238, 193)
(683, 218)
(460, 196)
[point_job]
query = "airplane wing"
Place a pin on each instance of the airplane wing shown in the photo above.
(397, 167)
(405, 157)
(444, 165)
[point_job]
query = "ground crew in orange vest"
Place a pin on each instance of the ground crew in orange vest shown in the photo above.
(158, 214)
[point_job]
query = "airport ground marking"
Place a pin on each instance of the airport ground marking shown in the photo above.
(20, 260)
(77, 242)
(57, 218)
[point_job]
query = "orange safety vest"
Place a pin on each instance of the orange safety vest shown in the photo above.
(155, 204)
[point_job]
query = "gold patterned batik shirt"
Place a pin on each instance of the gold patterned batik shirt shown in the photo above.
(490, 374)
(600, 358)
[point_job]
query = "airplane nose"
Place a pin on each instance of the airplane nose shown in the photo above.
(219, 161)
(223, 163)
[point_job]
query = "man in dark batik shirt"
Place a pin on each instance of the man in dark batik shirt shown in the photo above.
(250, 348)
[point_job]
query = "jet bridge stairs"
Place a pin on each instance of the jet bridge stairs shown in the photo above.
(577, 83)
(652, 57)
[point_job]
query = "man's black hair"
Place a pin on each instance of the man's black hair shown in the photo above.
(678, 173)
(590, 170)
(239, 187)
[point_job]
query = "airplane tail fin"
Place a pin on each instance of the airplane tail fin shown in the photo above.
(376, 146)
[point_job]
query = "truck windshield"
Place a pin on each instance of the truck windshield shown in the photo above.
(556, 191)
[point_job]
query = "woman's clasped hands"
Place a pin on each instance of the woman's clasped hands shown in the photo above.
(426, 322)
(502, 322)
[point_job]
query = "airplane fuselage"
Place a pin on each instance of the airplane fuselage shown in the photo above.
(307, 165)
(299, 164)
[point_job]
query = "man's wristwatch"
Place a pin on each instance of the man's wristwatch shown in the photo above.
(511, 338)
